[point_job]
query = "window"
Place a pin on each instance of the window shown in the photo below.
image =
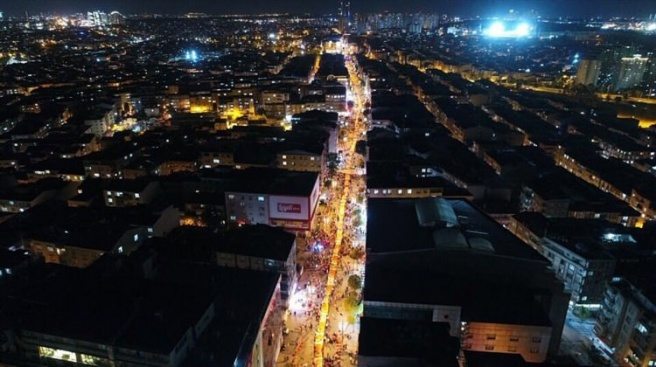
(216, 161)
(535, 350)
(231, 196)
(110, 200)
(491, 336)
(232, 217)
(514, 338)
(375, 191)
(136, 195)
(60, 354)
(136, 237)
(260, 198)
(409, 191)
(512, 349)
(400, 191)
(489, 347)
(536, 339)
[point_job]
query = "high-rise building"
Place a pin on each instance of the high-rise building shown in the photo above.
(588, 72)
(631, 72)
(344, 13)
(116, 18)
(650, 78)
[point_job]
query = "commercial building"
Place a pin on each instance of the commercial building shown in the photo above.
(495, 293)
(273, 197)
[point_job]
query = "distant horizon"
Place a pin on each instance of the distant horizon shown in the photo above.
(471, 8)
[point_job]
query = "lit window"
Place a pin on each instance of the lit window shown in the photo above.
(137, 196)
(409, 191)
(400, 191)
(120, 249)
(231, 196)
(136, 237)
(232, 217)
(284, 157)
(260, 198)
(375, 191)
(216, 161)
(60, 354)
(110, 200)
(284, 163)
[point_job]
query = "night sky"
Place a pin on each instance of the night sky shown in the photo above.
(462, 7)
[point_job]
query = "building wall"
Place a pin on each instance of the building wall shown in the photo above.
(406, 311)
(531, 342)
(627, 324)
(301, 162)
(65, 255)
(584, 278)
(404, 192)
(247, 208)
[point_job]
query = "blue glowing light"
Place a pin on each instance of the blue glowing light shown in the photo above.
(498, 30)
(191, 55)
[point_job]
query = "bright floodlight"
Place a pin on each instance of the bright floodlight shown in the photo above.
(497, 29)
(523, 30)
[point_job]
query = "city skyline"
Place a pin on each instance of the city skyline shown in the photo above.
(183, 187)
(485, 8)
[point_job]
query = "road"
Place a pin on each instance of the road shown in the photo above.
(323, 328)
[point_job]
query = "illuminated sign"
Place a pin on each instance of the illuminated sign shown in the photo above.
(289, 208)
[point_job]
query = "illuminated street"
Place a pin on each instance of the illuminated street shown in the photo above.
(322, 329)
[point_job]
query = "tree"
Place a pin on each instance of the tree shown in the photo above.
(355, 282)
(356, 253)
(352, 303)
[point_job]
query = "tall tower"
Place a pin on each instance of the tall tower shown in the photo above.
(631, 73)
(588, 72)
(344, 13)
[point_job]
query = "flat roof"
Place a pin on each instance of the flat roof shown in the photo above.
(393, 226)
(489, 288)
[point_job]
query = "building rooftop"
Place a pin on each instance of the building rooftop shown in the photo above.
(489, 288)
(396, 226)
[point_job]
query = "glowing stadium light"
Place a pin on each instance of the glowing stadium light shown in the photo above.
(523, 30)
(497, 29)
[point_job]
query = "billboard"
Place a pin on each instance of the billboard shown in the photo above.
(289, 207)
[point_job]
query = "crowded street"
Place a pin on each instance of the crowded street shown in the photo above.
(322, 322)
